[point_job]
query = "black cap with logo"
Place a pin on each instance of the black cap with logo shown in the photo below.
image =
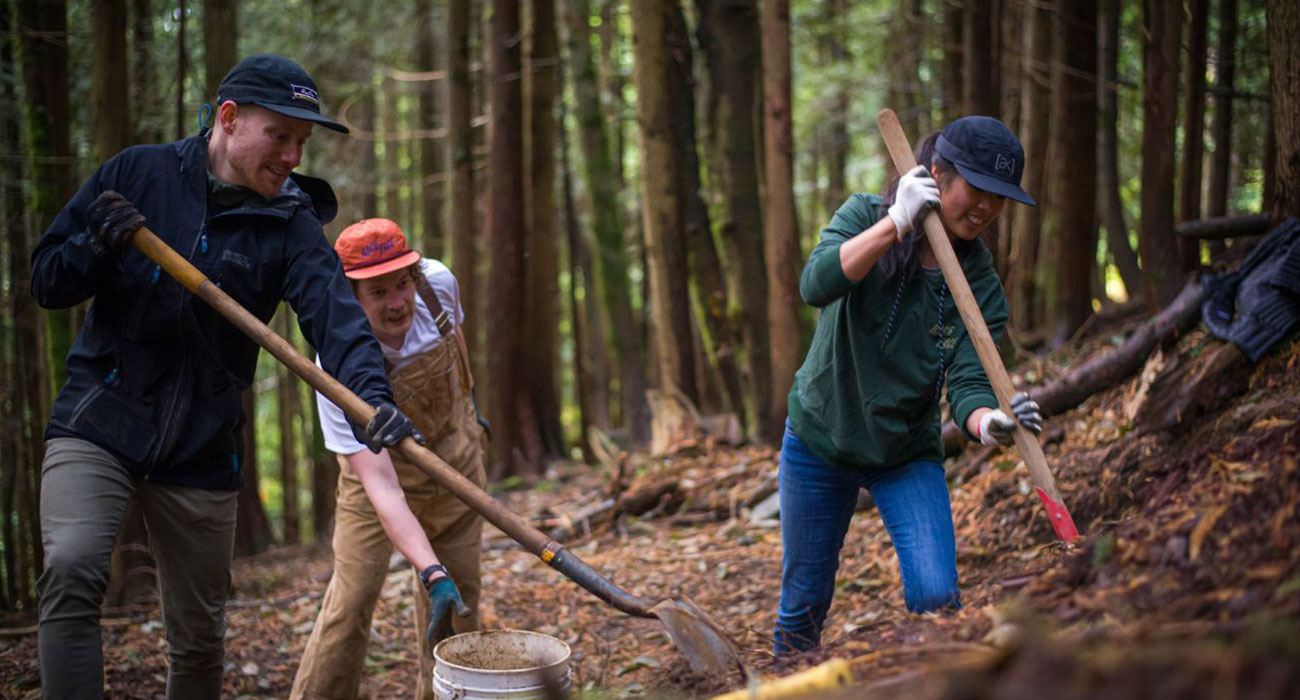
(987, 154)
(278, 84)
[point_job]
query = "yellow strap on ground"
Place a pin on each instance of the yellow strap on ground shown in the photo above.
(825, 676)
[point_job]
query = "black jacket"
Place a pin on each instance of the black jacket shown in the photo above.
(1258, 304)
(155, 374)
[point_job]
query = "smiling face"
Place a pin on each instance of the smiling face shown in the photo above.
(261, 147)
(389, 303)
(965, 210)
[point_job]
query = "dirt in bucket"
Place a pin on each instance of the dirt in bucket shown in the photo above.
(497, 650)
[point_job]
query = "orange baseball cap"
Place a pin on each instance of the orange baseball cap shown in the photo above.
(372, 247)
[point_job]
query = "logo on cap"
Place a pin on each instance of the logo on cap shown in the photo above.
(304, 93)
(1004, 165)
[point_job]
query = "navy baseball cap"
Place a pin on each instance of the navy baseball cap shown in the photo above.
(278, 84)
(987, 154)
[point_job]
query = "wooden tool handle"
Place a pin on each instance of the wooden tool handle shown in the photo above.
(1026, 442)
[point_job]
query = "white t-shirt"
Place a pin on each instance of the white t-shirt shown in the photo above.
(421, 337)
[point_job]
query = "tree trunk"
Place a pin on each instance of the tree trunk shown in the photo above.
(1074, 116)
(432, 241)
(1284, 89)
(542, 317)
(288, 408)
(952, 87)
(1109, 205)
(460, 155)
(506, 234)
(1162, 20)
(781, 230)
(144, 93)
(324, 476)
(364, 198)
(981, 88)
(730, 37)
(837, 127)
(664, 233)
(220, 35)
(1221, 125)
(252, 528)
(390, 182)
(1189, 196)
(1035, 110)
(602, 181)
(182, 69)
(109, 91)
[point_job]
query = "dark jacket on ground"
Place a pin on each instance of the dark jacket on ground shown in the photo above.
(155, 374)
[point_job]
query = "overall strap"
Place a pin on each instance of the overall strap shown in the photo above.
(441, 318)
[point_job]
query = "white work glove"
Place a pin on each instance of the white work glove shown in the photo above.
(997, 428)
(916, 191)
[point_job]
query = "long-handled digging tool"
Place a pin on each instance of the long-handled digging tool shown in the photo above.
(697, 636)
(1026, 442)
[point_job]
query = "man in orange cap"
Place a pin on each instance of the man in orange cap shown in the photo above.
(414, 309)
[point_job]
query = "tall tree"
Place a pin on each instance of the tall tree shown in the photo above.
(1284, 89)
(664, 230)
(144, 92)
(717, 337)
(108, 84)
(1189, 191)
(460, 156)
(288, 407)
(781, 230)
(324, 476)
(506, 234)
(1162, 27)
(1074, 117)
(1221, 125)
(1110, 206)
(837, 130)
(252, 527)
(730, 37)
(1035, 109)
(981, 51)
(432, 239)
(542, 310)
(182, 67)
(602, 179)
(952, 84)
(220, 42)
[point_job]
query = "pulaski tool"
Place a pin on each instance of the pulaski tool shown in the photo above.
(1026, 442)
(697, 636)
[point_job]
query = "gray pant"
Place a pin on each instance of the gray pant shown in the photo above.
(85, 493)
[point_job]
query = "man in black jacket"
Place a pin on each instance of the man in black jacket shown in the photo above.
(151, 407)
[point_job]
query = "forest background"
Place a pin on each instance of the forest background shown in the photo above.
(627, 191)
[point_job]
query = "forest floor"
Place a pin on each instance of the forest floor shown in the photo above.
(1186, 582)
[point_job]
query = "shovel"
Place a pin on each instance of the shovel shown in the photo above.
(1026, 442)
(697, 636)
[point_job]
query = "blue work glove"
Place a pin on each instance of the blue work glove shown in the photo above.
(443, 600)
(386, 429)
(996, 427)
(112, 219)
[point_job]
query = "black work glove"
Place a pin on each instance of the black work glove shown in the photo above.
(998, 428)
(386, 429)
(443, 600)
(112, 219)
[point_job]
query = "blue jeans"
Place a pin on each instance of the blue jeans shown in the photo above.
(817, 501)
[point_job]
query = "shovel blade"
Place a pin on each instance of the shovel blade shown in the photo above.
(707, 649)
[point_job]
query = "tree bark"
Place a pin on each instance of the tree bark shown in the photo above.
(432, 240)
(1189, 195)
(781, 230)
(144, 91)
(506, 235)
(981, 87)
(1221, 125)
(252, 528)
(220, 34)
(664, 232)
(460, 154)
(1283, 22)
(1035, 109)
(288, 408)
(602, 180)
(730, 37)
(182, 68)
(324, 477)
(837, 128)
(542, 316)
(1161, 265)
(952, 85)
(1074, 114)
(1109, 204)
(110, 93)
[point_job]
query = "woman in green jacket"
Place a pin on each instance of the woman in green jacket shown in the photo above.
(864, 408)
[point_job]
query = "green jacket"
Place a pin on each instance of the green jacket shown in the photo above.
(866, 396)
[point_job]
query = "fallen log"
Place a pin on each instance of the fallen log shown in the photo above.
(1182, 393)
(1110, 367)
(1220, 227)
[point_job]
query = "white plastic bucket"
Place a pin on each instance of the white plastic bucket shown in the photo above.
(500, 664)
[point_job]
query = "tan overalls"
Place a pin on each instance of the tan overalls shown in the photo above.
(434, 391)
